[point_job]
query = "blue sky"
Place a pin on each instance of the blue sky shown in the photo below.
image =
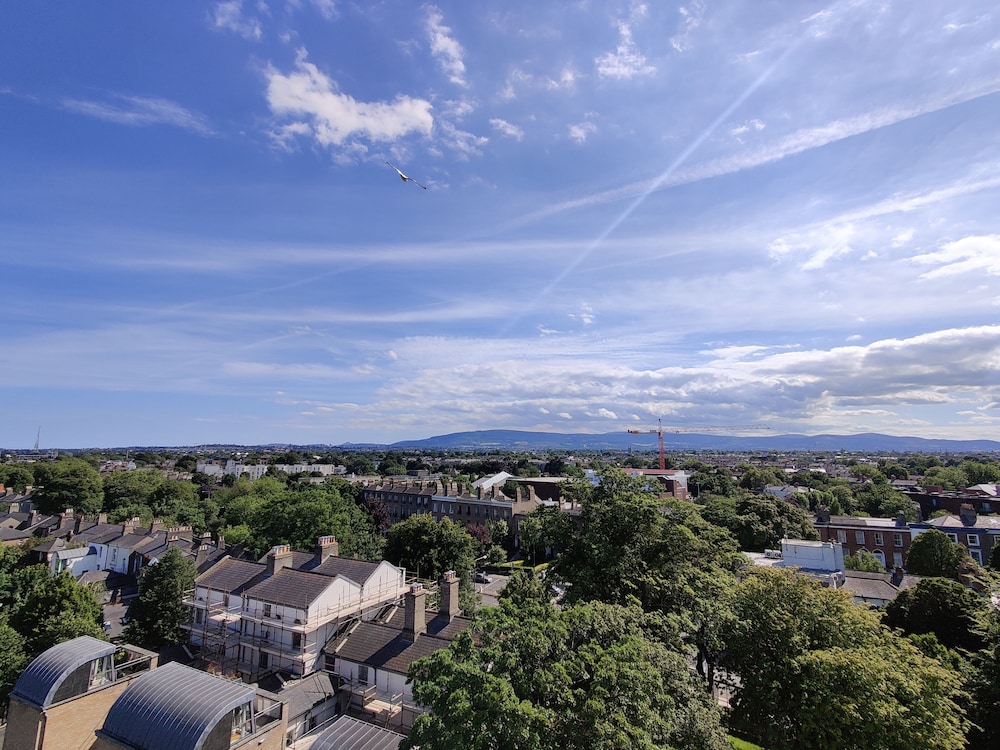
(707, 213)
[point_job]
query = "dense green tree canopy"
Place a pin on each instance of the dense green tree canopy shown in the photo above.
(70, 483)
(263, 513)
(57, 609)
(946, 608)
(16, 477)
(122, 488)
(587, 678)
(427, 548)
(817, 671)
(759, 522)
(158, 613)
(932, 553)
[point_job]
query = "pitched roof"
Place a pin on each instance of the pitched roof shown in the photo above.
(303, 694)
(230, 575)
(173, 707)
(357, 570)
(290, 588)
(385, 646)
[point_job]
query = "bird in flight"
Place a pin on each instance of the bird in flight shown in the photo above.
(403, 177)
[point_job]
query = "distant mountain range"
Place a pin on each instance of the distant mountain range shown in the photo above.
(484, 440)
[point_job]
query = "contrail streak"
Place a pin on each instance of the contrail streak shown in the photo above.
(655, 184)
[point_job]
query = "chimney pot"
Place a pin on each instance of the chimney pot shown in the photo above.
(415, 612)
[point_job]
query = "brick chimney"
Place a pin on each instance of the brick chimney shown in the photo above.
(822, 514)
(279, 557)
(414, 612)
(77, 523)
(449, 595)
(968, 514)
(326, 547)
(155, 525)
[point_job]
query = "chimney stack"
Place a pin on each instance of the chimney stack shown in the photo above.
(279, 557)
(326, 547)
(414, 612)
(449, 595)
(900, 519)
(968, 514)
(77, 523)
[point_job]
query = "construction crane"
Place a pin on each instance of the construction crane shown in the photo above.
(661, 429)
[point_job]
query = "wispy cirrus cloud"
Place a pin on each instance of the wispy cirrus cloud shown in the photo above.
(781, 147)
(230, 16)
(140, 111)
(445, 48)
(507, 129)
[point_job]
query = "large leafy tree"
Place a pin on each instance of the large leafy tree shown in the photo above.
(932, 553)
(946, 608)
(70, 483)
(985, 688)
(586, 678)
(816, 671)
(759, 522)
(16, 477)
(125, 488)
(158, 613)
(428, 548)
(659, 551)
(13, 658)
(57, 609)
(264, 513)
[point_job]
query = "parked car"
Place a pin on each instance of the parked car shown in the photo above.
(481, 577)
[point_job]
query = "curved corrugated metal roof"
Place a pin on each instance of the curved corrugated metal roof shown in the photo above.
(354, 734)
(173, 708)
(40, 681)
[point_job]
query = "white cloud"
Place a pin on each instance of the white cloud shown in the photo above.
(975, 254)
(739, 131)
(327, 8)
(566, 80)
(139, 111)
(627, 61)
(691, 17)
(333, 117)
(507, 129)
(445, 47)
(229, 16)
(581, 131)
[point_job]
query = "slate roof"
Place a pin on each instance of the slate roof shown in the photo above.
(384, 645)
(881, 524)
(230, 575)
(303, 694)
(357, 570)
(348, 733)
(290, 588)
(173, 707)
(40, 682)
(954, 523)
